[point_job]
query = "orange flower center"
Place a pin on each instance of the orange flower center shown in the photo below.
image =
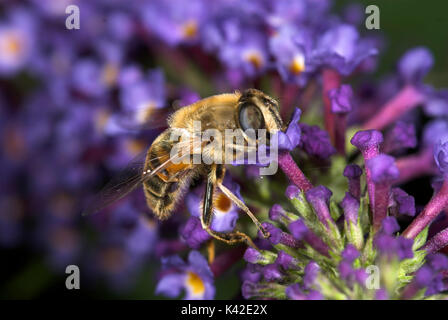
(195, 283)
(190, 29)
(11, 44)
(297, 65)
(110, 74)
(255, 59)
(222, 202)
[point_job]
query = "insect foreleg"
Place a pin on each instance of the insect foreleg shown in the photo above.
(242, 206)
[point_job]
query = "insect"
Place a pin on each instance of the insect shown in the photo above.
(165, 180)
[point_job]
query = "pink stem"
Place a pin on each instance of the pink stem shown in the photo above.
(439, 241)
(368, 154)
(339, 133)
(354, 187)
(414, 166)
(293, 172)
(382, 193)
(408, 98)
(289, 94)
(438, 203)
(331, 80)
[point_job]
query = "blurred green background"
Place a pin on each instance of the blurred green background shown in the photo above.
(410, 23)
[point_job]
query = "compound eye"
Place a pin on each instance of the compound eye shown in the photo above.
(251, 117)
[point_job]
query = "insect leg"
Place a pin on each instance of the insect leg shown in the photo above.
(207, 214)
(242, 206)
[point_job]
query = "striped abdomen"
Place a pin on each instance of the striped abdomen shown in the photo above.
(164, 189)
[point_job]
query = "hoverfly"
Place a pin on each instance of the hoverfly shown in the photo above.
(165, 180)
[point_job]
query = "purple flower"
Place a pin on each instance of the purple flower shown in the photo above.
(173, 21)
(430, 277)
(383, 168)
(311, 271)
(298, 229)
(435, 131)
(361, 276)
(353, 173)
(276, 212)
(87, 78)
(400, 137)
(350, 253)
(342, 49)
(436, 104)
(16, 41)
(292, 191)
(341, 99)
(316, 142)
(120, 25)
(193, 233)
(441, 156)
(291, 49)
(225, 212)
(248, 54)
(366, 140)
(295, 292)
(319, 197)
(350, 205)
(290, 139)
(272, 272)
(285, 260)
(390, 225)
(381, 294)
(405, 204)
(415, 64)
(143, 237)
(250, 275)
(140, 95)
(276, 233)
(391, 246)
(277, 236)
(195, 277)
(254, 256)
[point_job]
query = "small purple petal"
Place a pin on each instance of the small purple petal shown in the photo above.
(271, 272)
(350, 253)
(390, 225)
(350, 205)
(366, 139)
(405, 203)
(316, 142)
(383, 168)
(193, 233)
(401, 136)
(298, 229)
(292, 191)
(341, 99)
(311, 271)
(253, 256)
(415, 64)
(284, 260)
(276, 212)
(441, 156)
(352, 171)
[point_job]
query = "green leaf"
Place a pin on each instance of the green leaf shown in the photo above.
(335, 211)
(409, 266)
(420, 239)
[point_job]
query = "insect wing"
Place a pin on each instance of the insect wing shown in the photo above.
(154, 119)
(121, 185)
